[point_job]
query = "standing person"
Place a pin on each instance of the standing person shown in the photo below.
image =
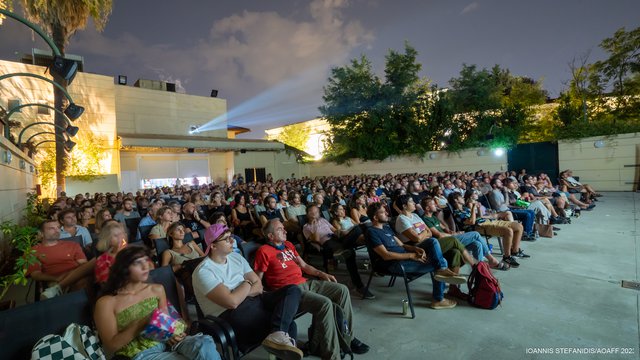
(124, 311)
(280, 265)
(127, 212)
(226, 287)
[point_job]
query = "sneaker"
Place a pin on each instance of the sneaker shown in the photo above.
(529, 237)
(365, 293)
(282, 346)
(443, 304)
(358, 347)
(521, 254)
(449, 277)
(511, 260)
(455, 292)
(51, 292)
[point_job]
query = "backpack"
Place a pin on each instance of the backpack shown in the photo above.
(484, 288)
(344, 335)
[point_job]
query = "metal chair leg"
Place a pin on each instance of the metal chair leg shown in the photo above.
(366, 288)
(406, 285)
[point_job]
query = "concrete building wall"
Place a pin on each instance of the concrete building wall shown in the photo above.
(279, 164)
(145, 111)
(612, 167)
(470, 160)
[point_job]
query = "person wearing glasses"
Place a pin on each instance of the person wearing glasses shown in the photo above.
(226, 287)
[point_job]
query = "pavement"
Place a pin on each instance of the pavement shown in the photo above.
(565, 302)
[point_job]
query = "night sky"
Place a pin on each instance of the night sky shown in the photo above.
(270, 59)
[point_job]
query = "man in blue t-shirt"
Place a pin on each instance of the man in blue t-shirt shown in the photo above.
(390, 253)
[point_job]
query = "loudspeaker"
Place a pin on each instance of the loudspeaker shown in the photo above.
(214, 93)
(191, 150)
(243, 151)
(64, 68)
(171, 87)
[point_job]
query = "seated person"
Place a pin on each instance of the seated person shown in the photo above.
(62, 264)
(178, 251)
(127, 211)
(472, 240)
(70, 228)
(164, 217)
(111, 239)
(102, 217)
(271, 211)
(226, 287)
(150, 219)
(323, 235)
(124, 311)
(468, 218)
(499, 200)
(421, 259)
(349, 234)
(530, 192)
(219, 218)
(192, 221)
(279, 264)
(570, 184)
(413, 231)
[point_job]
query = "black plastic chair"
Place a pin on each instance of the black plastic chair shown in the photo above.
(144, 234)
(162, 245)
(132, 228)
(22, 327)
(381, 267)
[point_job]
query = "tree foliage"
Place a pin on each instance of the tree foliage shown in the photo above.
(295, 135)
(603, 97)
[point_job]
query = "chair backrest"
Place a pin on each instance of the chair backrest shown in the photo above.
(302, 219)
(326, 215)
(175, 295)
(132, 227)
(144, 231)
(249, 249)
(76, 239)
(22, 327)
(161, 246)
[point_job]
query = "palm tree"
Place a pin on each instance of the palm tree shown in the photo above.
(62, 19)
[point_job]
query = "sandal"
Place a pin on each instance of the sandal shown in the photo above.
(502, 266)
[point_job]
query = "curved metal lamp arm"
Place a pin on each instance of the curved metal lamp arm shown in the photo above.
(64, 91)
(15, 109)
(45, 132)
(35, 28)
(34, 124)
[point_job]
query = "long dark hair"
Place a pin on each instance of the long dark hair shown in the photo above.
(119, 272)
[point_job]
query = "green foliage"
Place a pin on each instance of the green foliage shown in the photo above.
(295, 135)
(22, 240)
(603, 98)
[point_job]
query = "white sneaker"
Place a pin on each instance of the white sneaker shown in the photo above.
(51, 292)
(282, 346)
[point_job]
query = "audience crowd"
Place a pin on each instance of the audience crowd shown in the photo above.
(252, 242)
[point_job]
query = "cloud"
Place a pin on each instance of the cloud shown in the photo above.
(470, 8)
(245, 54)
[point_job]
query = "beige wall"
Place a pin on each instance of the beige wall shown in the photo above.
(279, 164)
(603, 168)
(144, 111)
(464, 161)
(94, 92)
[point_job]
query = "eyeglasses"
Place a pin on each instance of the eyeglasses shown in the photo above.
(226, 238)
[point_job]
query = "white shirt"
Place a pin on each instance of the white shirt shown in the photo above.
(209, 274)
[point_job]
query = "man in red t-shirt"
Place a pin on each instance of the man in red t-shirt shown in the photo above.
(60, 262)
(279, 264)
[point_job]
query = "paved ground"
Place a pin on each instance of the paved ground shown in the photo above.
(566, 297)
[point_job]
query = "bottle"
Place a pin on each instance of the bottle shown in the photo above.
(405, 306)
(490, 248)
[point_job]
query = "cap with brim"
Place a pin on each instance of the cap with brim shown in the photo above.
(212, 234)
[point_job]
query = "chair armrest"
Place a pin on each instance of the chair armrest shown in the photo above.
(229, 333)
(212, 329)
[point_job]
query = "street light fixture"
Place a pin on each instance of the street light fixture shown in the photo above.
(73, 111)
